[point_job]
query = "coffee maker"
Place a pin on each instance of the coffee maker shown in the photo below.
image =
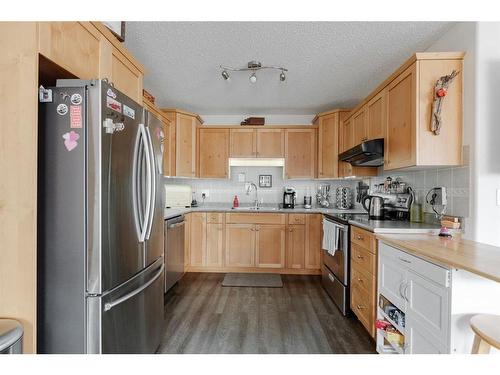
(289, 196)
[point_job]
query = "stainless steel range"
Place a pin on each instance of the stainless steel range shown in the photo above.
(336, 257)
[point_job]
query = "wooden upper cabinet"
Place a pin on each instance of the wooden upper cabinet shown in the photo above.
(359, 124)
(346, 134)
(257, 143)
(125, 76)
(401, 126)
(184, 141)
(300, 153)
(375, 116)
(240, 245)
(213, 153)
(328, 145)
(74, 46)
(270, 246)
(243, 143)
(270, 143)
(296, 246)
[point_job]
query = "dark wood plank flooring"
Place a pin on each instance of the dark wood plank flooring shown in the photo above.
(204, 317)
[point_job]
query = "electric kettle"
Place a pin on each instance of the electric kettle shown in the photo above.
(375, 207)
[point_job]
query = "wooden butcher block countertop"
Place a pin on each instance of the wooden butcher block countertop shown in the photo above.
(475, 257)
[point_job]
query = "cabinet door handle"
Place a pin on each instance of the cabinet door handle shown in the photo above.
(360, 238)
(405, 293)
(360, 307)
(401, 292)
(360, 280)
(405, 260)
(360, 256)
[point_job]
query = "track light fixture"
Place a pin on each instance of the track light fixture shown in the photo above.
(225, 75)
(252, 66)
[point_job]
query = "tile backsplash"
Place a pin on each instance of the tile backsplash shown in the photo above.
(456, 180)
(222, 190)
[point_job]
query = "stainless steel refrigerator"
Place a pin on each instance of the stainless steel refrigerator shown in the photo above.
(100, 257)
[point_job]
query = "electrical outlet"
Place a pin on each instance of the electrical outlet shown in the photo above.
(438, 196)
(205, 194)
(242, 177)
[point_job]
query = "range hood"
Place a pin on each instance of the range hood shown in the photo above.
(366, 154)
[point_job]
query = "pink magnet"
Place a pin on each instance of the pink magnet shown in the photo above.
(70, 140)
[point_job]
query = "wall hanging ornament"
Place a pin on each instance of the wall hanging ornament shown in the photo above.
(440, 90)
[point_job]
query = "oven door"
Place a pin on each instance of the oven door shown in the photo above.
(339, 263)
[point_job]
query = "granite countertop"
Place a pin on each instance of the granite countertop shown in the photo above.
(226, 207)
(455, 252)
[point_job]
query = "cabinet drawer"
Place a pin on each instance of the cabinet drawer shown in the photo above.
(251, 218)
(363, 280)
(296, 219)
(362, 306)
(362, 257)
(363, 238)
(431, 271)
(214, 217)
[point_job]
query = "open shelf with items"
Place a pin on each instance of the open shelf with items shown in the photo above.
(391, 330)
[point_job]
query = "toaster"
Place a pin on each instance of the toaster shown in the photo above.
(178, 196)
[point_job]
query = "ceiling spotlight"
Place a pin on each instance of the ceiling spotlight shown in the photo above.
(282, 76)
(253, 78)
(225, 75)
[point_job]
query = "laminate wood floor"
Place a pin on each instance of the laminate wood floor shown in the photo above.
(204, 317)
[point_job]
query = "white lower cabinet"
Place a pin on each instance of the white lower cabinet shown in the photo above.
(420, 290)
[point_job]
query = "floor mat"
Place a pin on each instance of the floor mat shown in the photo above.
(263, 280)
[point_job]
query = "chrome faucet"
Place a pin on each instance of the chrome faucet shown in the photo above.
(249, 187)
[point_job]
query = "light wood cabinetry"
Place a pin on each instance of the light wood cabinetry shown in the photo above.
(187, 240)
(270, 143)
(314, 235)
(240, 245)
(213, 153)
(360, 127)
(257, 143)
(363, 277)
(184, 149)
(329, 142)
(376, 116)
(270, 246)
(215, 245)
(125, 76)
(243, 143)
(296, 246)
(198, 239)
(300, 153)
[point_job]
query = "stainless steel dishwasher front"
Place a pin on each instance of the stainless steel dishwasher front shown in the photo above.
(174, 250)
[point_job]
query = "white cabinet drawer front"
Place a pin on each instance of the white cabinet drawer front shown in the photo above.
(433, 272)
(428, 304)
(391, 281)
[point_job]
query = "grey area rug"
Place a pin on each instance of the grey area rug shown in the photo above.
(258, 280)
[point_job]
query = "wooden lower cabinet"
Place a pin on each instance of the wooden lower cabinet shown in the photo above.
(296, 246)
(187, 240)
(248, 242)
(215, 245)
(270, 246)
(363, 278)
(240, 245)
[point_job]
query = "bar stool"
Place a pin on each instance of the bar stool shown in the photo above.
(486, 328)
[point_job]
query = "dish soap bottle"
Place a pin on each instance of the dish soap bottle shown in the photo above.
(415, 209)
(236, 203)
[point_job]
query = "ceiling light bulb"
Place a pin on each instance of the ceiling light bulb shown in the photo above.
(253, 78)
(282, 76)
(225, 75)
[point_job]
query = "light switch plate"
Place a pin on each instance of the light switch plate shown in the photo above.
(241, 177)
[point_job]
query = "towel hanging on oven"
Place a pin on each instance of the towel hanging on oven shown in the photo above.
(329, 237)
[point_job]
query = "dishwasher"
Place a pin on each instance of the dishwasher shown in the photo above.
(174, 250)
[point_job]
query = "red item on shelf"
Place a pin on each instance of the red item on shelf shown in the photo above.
(236, 203)
(381, 324)
(441, 92)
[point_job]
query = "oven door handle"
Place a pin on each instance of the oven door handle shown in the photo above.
(337, 238)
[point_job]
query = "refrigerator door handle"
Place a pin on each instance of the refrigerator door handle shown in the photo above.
(149, 183)
(109, 305)
(135, 202)
(152, 194)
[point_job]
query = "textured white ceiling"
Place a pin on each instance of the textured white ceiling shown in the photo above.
(331, 64)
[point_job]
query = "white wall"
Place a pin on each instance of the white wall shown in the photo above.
(481, 42)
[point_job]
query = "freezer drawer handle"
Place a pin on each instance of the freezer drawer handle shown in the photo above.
(108, 306)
